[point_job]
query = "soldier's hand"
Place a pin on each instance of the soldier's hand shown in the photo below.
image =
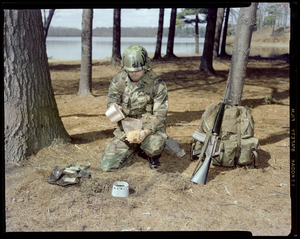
(137, 137)
(120, 107)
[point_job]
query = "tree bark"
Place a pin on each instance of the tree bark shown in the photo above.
(31, 116)
(116, 49)
(240, 53)
(85, 83)
(171, 36)
(223, 45)
(207, 56)
(160, 29)
(219, 23)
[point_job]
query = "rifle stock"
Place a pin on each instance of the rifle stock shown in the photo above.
(200, 175)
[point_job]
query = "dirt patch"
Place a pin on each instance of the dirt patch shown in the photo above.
(250, 199)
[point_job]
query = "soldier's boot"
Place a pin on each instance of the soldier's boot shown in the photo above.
(154, 162)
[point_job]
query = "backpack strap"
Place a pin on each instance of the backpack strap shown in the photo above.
(238, 135)
(150, 81)
(255, 157)
(122, 83)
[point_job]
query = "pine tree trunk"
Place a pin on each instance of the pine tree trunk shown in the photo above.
(219, 23)
(85, 83)
(31, 116)
(47, 23)
(171, 36)
(196, 34)
(160, 29)
(223, 45)
(207, 56)
(116, 49)
(240, 53)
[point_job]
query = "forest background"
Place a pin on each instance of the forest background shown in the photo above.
(250, 199)
(267, 14)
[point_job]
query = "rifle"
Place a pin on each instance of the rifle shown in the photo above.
(210, 142)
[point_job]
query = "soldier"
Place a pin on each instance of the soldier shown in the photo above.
(140, 94)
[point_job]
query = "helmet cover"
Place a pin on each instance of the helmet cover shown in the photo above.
(135, 58)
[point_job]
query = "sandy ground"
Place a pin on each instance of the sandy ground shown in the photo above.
(234, 199)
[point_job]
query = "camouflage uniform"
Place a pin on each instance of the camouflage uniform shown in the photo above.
(147, 101)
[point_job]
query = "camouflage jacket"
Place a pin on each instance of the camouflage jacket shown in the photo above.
(148, 100)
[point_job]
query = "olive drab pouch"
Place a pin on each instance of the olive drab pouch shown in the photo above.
(237, 145)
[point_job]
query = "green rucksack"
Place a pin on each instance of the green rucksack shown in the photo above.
(237, 146)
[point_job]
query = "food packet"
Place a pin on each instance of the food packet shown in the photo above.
(132, 127)
(131, 124)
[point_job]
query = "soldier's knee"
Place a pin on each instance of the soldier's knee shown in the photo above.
(113, 155)
(153, 149)
(153, 145)
(113, 162)
(105, 167)
(108, 162)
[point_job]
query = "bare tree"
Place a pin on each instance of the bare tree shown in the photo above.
(260, 14)
(47, 21)
(287, 11)
(116, 48)
(207, 56)
(85, 83)
(31, 116)
(196, 33)
(219, 23)
(171, 36)
(240, 53)
(224, 34)
(160, 29)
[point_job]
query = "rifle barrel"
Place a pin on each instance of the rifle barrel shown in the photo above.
(219, 118)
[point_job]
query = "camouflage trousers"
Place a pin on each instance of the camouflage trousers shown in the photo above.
(118, 153)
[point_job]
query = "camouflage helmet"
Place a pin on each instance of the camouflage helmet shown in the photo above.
(135, 58)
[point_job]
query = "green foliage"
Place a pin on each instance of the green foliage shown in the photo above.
(270, 100)
(231, 29)
(273, 15)
(185, 17)
(269, 21)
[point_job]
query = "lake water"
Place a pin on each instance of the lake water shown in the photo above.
(69, 48)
